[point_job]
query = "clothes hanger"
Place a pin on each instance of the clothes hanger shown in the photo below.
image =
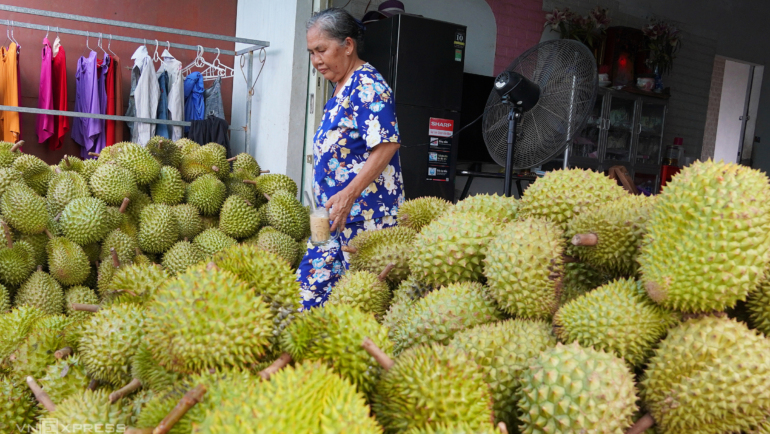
(166, 52)
(99, 44)
(46, 32)
(156, 56)
(108, 47)
(7, 35)
(89, 48)
(218, 70)
(13, 39)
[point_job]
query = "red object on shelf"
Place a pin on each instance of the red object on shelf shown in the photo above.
(666, 173)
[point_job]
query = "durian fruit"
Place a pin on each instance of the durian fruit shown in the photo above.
(413, 289)
(23, 209)
(17, 261)
(272, 183)
(709, 375)
(15, 326)
(579, 278)
(210, 222)
(245, 164)
(110, 153)
(498, 208)
(452, 249)
(17, 406)
(153, 376)
(209, 159)
(188, 220)
(39, 244)
(272, 240)
(363, 290)
(43, 292)
(180, 256)
(138, 202)
(63, 188)
(125, 246)
(374, 250)
(136, 283)
(571, 389)
(9, 176)
(562, 195)
(112, 183)
(93, 251)
(105, 273)
(109, 342)
(89, 167)
(71, 163)
(204, 319)
(36, 352)
(158, 228)
(5, 300)
(83, 220)
(37, 174)
(454, 428)
(311, 397)
(212, 241)
(418, 213)
(67, 261)
(333, 335)
(619, 227)
(618, 317)
(238, 218)
(523, 267)
(287, 214)
(438, 316)
(236, 186)
(140, 162)
(65, 378)
(431, 385)
(9, 152)
(186, 146)
(81, 295)
(503, 350)
(207, 193)
(168, 188)
(91, 409)
(758, 306)
(164, 151)
(708, 237)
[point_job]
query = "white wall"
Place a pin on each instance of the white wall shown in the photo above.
(278, 104)
(475, 14)
(731, 108)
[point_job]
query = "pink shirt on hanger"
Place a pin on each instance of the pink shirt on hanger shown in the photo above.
(45, 124)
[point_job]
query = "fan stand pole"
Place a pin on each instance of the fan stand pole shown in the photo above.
(512, 116)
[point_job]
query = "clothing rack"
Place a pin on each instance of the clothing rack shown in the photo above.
(249, 51)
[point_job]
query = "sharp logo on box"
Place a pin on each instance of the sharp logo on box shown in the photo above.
(441, 124)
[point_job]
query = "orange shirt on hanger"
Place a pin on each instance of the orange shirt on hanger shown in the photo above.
(9, 92)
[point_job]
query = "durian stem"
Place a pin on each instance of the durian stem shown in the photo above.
(568, 259)
(7, 231)
(125, 390)
(63, 353)
(115, 260)
(57, 170)
(264, 171)
(39, 268)
(383, 359)
(248, 181)
(276, 366)
(189, 399)
(349, 249)
(93, 384)
(247, 202)
(186, 240)
(215, 168)
(40, 394)
(124, 205)
(85, 307)
(138, 431)
(67, 160)
(641, 425)
(502, 427)
(266, 196)
(18, 145)
(48, 234)
(230, 160)
(386, 271)
(93, 154)
(589, 240)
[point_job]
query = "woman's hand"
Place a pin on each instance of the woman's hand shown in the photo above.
(342, 203)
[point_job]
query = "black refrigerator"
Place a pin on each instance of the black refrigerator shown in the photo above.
(423, 61)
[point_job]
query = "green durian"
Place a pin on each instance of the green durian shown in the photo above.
(158, 228)
(498, 208)
(272, 183)
(36, 173)
(36, 352)
(63, 188)
(454, 428)
(9, 153)
(523, 265)
(150, 373)
(503, 350)
(212, 241)
(110, 153)
(207, 193)
(708, 237)
(24, 210)
(376, 249)
(758, 306)
(125, 246)
(238, 218)
(9, 176)
(104, 275)
(139, 201)
(431, 385)
(168, 188)
(246, 164)
(140, 162)
(91, 409)
(272, 240)
(180, 256)
(112, 183)
(204, 160)
(15, 326)
(81, 295)
(562, 195)
(43, 292)
(5, 300)
(418, 213)
(38, 243)
(65, 378)
(363, 290)
(188, 220)
(571, 389)
(210, 222)
(186, 146)
(71, 163)
(286, 214)
(136, 283)
(17, 405)
(67, 261)
(440, 314)
(17, 262)
(579, 278)
(89, 167)
(452, 249)
(708, 376)
(237, 187)
(84, 220)
(164, 151)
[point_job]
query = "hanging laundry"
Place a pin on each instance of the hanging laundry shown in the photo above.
(175, 91)
(59, 85)
(194, 107)
(143, 100)
(211, 129)
(102, 67)
(18, 84)
(213, 99)
(9, 93)
(118, 133)
(45, 125)
(162, 129)
(85, 131)
(109, 125)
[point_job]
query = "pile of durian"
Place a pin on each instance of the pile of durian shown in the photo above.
(578, 309)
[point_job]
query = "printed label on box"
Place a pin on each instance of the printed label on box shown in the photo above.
(441, 127)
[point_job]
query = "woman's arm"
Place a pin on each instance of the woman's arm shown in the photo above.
(379, 157)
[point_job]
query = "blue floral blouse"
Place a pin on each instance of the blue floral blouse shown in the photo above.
(360, 117)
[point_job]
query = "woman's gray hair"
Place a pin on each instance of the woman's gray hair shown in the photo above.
(339, 25)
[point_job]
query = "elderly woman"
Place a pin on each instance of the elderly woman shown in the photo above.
(357, 172)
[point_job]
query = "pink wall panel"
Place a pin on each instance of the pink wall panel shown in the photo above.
(519, 27)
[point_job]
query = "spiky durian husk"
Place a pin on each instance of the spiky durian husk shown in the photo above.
(758, 307)
(724, 361)
(39, 244)
(67, 261)
(430, 385)
(64, 188)
(5, 300)
(125, 246)
(112, 183)
(158, 228)
(285, 213)
(211, 241)
(15, 326)
(149, 372)
(164, 151)
(441, 314)
(377, 249)
(238, 218)
(91, 409)
(16, 264)
(181, 256)
(332, 335)
(246, 164)
(364, 291)
(570, 389)
(140, 162)
(17, 406)
(168, 188)
(23, 209)
(311, 397)
(36, 352)
(207, 194)
(272, 183)
(65, 378)
(418, 213)
(498, 208)
(272, 240)
(136, 283)
(454, 428)
(617, 317)
(579, 278)
(42, 292)
(523, 268)
(6, 156)
(188, 221)
(452, 249)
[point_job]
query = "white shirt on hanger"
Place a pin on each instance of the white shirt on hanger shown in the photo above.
(146, 95)
(175, 90)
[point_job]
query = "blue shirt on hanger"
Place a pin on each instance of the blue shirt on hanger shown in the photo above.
(194, 107)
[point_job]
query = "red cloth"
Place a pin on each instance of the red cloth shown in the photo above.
(59, 84)
(119, 125)
(110, 85)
